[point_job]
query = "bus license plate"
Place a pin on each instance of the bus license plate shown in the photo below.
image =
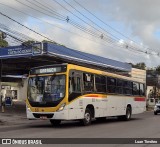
(43, 117)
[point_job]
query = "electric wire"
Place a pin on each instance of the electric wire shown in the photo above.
(84, 37)
(25, 26)
(105, 39)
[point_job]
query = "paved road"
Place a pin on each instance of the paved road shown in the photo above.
(144, 125)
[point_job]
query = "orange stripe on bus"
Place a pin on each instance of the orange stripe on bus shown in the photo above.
(95, 95)
(91, 96)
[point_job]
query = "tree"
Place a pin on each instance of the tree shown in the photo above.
(3, 43)
(140, 65)
(28, 43)
(52, 42)
(47, 41)
(158, 69)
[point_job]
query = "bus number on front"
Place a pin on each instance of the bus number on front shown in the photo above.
(36, 110)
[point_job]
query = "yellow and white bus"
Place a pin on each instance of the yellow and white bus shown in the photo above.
(72, 92)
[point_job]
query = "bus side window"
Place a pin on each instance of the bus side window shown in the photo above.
(100, 83)
(135, 88)
(111, 85)
(119, 89)
(88, 80)
(127, 87)
(142, 91)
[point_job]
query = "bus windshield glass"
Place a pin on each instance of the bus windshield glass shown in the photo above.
(46, 88)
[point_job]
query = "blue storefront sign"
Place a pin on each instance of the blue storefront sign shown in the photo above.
(18, 51)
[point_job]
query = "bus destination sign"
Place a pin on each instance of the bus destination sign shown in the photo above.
(48, 70)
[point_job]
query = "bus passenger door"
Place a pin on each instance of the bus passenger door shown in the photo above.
(75, 91)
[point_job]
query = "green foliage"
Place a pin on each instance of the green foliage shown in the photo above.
(3, 43)
(28, 43)
(140, 65)
(158, 69)
(46, 41)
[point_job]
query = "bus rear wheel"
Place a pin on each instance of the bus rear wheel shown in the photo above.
(87, 118)
(126, 117)
(55, 122)
(128, 113)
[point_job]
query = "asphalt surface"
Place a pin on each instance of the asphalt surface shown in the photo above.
(145, 125)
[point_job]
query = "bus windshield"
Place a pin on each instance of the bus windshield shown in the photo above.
(46, 88)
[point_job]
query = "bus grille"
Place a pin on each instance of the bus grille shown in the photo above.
(37, 115)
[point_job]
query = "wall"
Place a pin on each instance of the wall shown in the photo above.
(20, 87)
(23, 90)
(138, 75)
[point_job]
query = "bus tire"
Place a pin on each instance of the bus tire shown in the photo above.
(87, 118)
(128, 113)
(55, 122)
(126, 117)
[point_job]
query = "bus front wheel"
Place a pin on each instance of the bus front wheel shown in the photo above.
(55, 122)
(87, 118)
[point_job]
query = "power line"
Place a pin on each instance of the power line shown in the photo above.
(25, 26)
(78, 17)
(42, 6)
(111, 40)
(102, 21)
(64, 18)
(4, 27)
(12, 36)
(107, 24)
(90, 20)
(90, 32)
(105, 39)
(108, 40)
(38, 10)
(97, 24)
(54, 25)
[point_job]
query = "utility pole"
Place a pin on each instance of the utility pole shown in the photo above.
(0, 75)
(2, 36)
(1, 82)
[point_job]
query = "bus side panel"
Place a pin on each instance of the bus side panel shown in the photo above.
(77, 108)
(138, 107)
(116, 105)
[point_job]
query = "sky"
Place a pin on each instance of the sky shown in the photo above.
(132, 22)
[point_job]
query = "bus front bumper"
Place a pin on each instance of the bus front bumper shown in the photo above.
(61, 115)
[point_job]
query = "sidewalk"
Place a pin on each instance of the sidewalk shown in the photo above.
(13, 115)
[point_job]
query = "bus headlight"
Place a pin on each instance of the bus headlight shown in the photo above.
(62, 107)
(28, 109)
